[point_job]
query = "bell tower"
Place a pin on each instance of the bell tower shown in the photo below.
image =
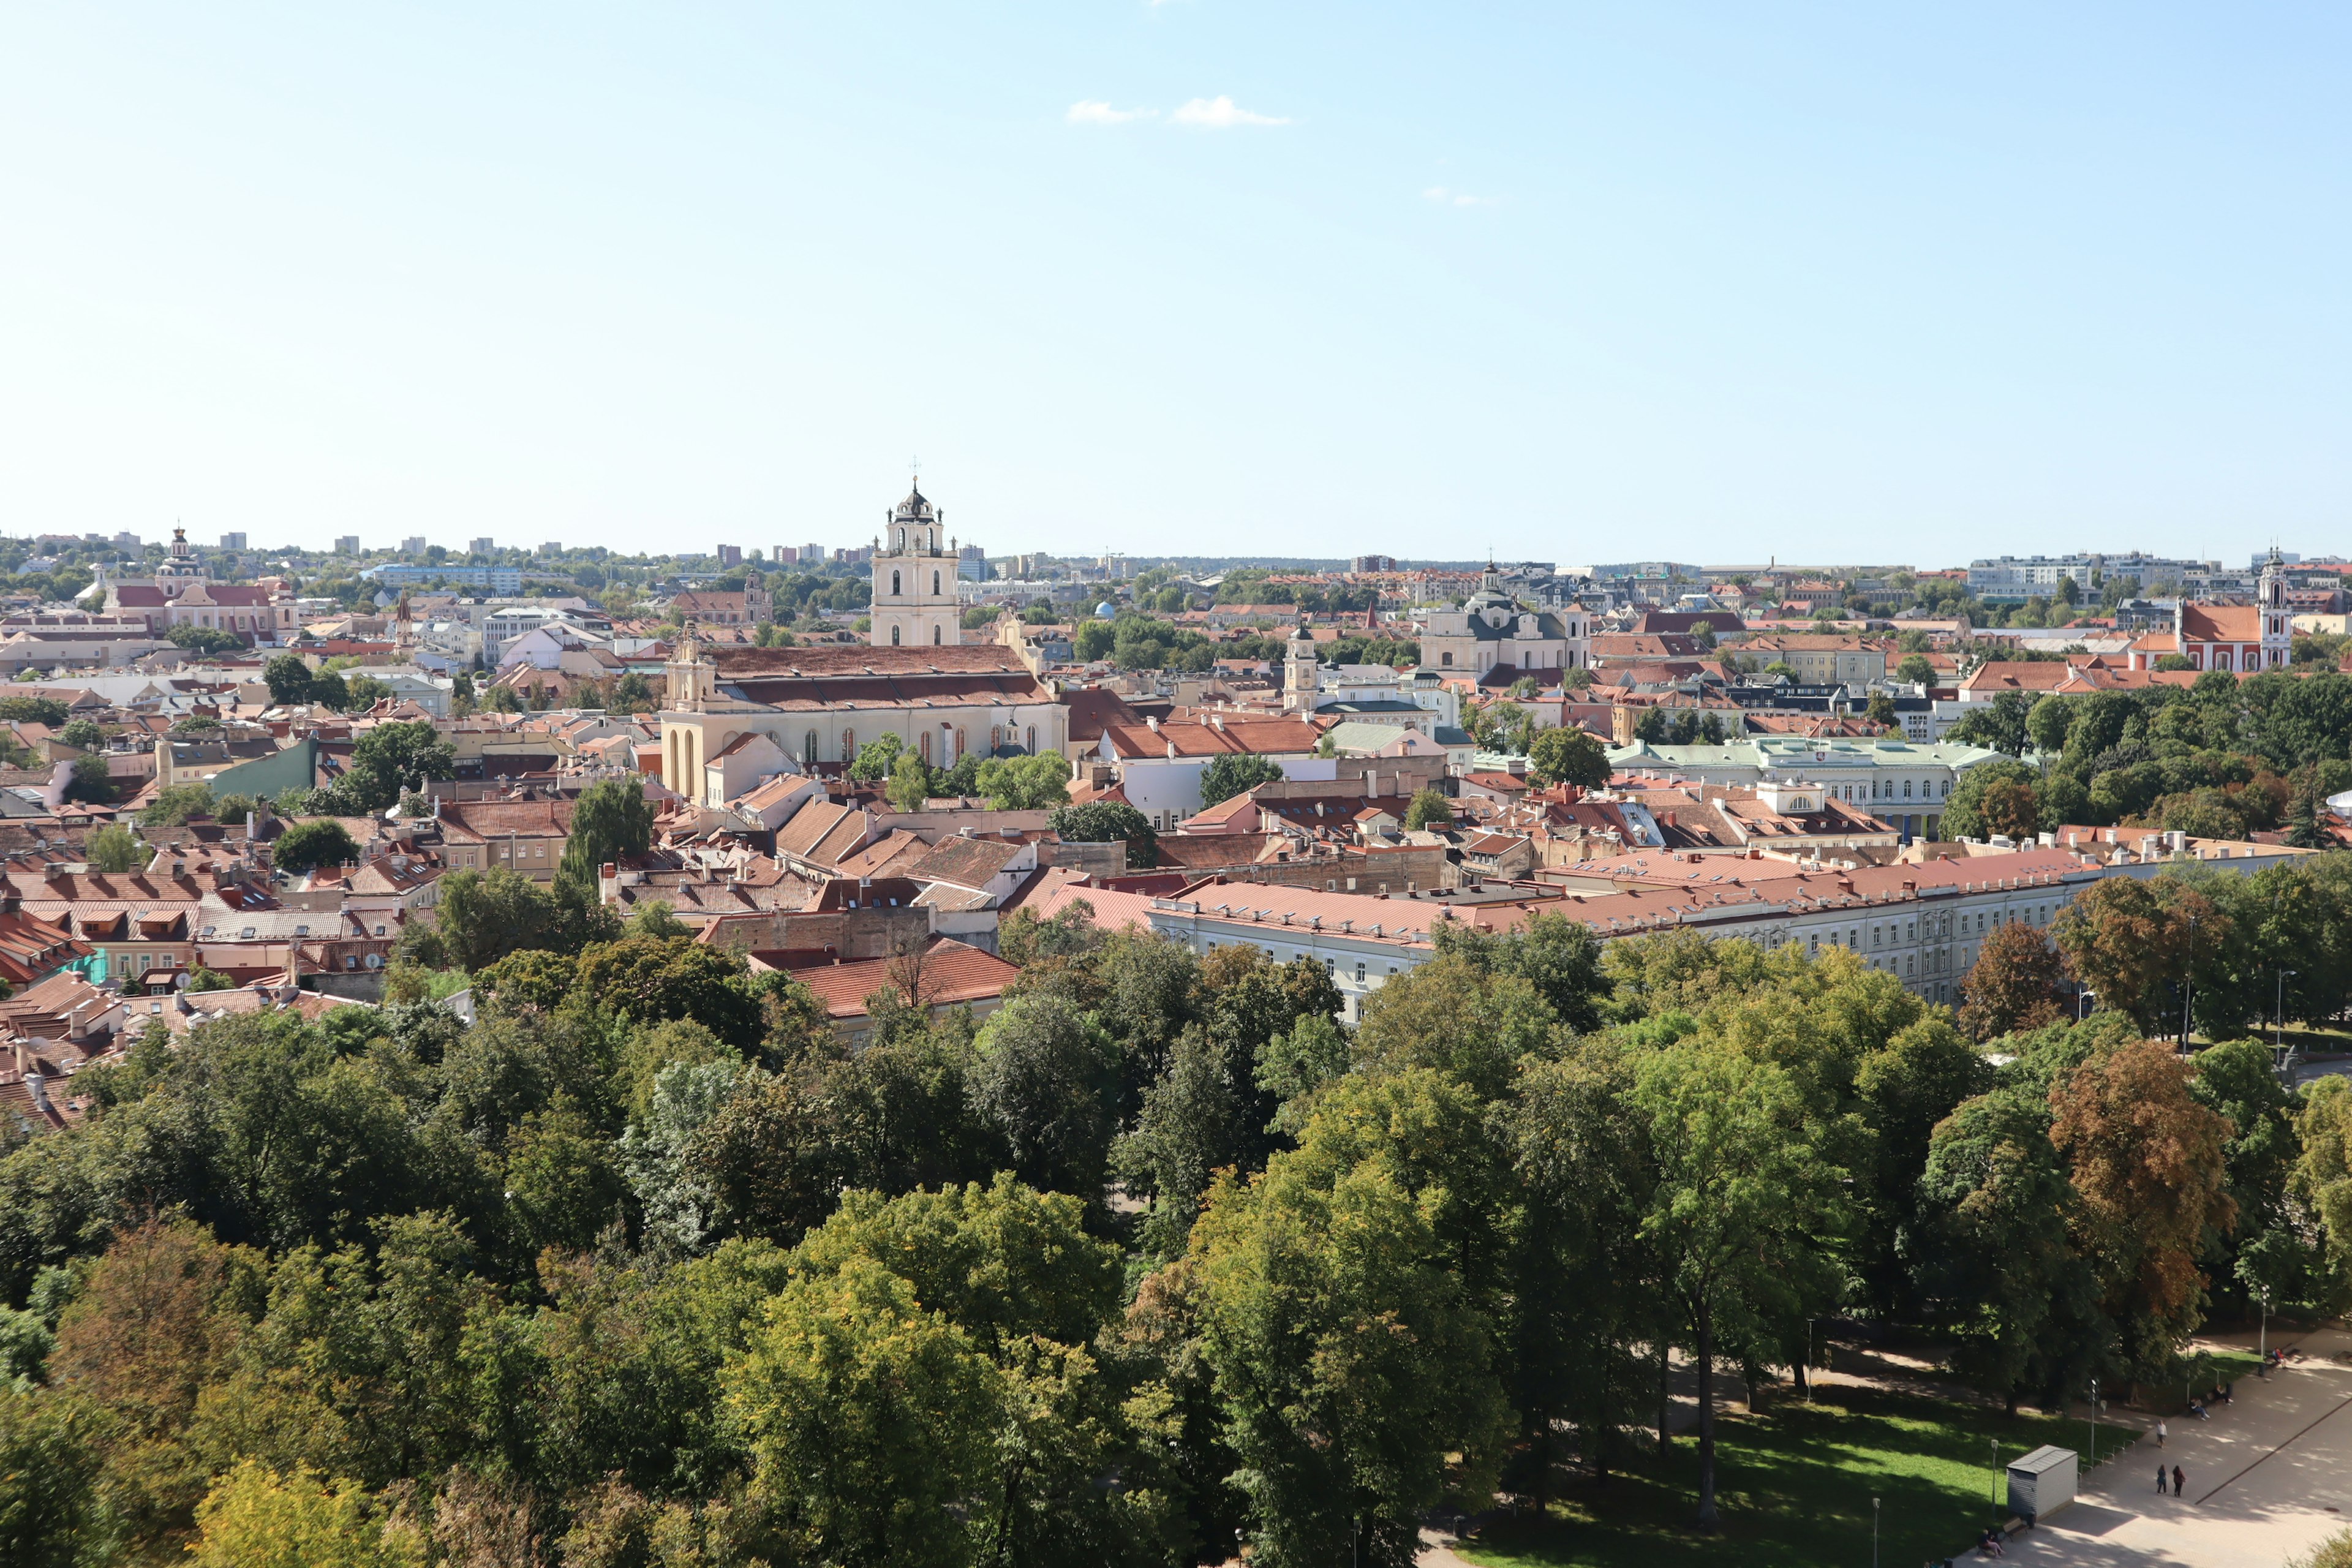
(2278, 616)
(1301, 673)
(915, 603)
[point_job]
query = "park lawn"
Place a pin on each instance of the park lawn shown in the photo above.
(1794, 1485)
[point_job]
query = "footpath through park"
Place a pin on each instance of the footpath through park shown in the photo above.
(2268, 1476)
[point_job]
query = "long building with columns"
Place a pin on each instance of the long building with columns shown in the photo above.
(818, 705)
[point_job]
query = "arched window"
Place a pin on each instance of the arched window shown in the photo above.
(995, 736)
(924, 742)
(961, 745)
(894, 585)
(893, 636)
(848, 745)
(808, 749)
(1033, 738)
(935, 585)
(935, 635)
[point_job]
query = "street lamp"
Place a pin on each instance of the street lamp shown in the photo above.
(2265, 1344)
(1995, 1443)
(2082, 997)
(1874, 1532)
(2095, 1420)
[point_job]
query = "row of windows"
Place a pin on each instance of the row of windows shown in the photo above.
(895, 592)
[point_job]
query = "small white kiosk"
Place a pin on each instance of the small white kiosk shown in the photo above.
(2041, 1482)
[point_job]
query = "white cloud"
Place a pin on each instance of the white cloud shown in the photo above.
(1455, 198)
(1090, 111)
(1221, 113)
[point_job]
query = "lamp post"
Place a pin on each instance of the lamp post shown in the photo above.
(2264, 1347)
(2095, 1420)
(1874, 1532)
(1995, 1444)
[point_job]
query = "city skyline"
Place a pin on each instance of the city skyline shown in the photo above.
(1181, 273)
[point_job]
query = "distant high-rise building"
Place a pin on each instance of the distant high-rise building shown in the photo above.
(784, 554)
(127, 542)
(812, 554)
(413, 545)
(347, 544)
(552, 547)
(971, 564)
(731, 555)
(232, 542)
(1372, 563)
(483, 547)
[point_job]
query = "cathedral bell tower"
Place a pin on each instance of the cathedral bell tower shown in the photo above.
(915, 603)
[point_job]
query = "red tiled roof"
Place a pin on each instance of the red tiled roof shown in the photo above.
(951, 973)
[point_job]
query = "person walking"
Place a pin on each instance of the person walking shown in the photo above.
(2162, 1431)
(2160, 1477)
(2179, 1482)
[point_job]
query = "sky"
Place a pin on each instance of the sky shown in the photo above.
(1573, 283)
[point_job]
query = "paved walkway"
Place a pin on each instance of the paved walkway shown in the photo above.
(2268, 1476)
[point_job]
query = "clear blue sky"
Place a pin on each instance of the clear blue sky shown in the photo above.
(1579, 283)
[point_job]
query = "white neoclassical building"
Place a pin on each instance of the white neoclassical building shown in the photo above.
(915, 602)
(1494, 629)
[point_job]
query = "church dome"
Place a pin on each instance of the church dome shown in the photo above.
(915, 506)
(1105, 610)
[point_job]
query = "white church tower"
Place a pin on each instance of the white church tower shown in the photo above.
(915, 600)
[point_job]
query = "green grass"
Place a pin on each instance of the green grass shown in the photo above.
(1794, 1486)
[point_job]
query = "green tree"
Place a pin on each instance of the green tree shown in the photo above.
(649, 979)
(1235, 772)
(1743, 1204)
(321, 841)
(113, 850)
(202, 640)
(1571, 756)
(612, 823)
(1350, 1365)
(1427, 809)
(1964, 812)
(1108, 822)
(2001, 1272)
(92, 780)
(1048, 1078)
(2047, 723)
(2322, 1178)
(1025, 784)
(1916, 670)
(876, 759)
(1999, 726)
(289, 678)
(392, 758)
(83, 733)
(910, 782)
(174, 805)
(485, 915)
(33, 711)
(52, 1511)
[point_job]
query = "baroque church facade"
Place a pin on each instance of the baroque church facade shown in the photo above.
(809, 708)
